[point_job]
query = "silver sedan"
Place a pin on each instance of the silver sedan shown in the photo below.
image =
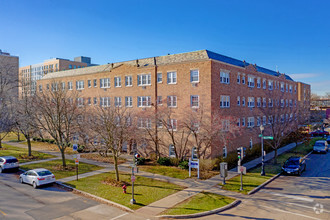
(37, 177)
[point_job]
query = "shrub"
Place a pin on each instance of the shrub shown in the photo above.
(52, 141)
(165, 161)
(81, 148)
(184, 164)
(206, 164)
(141, 161)
(38, 139)
(34, 138)
(174, 161)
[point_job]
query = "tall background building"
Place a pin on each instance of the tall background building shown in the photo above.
(9, 85)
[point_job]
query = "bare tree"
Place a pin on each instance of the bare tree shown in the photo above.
(110, 128)
(58, 111)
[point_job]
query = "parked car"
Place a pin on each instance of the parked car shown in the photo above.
(319, 133)
(294, 165)
(328, 140)
(320, 146)
(37, 177)
(8, 163)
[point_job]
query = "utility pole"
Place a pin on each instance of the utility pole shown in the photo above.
(262, 151)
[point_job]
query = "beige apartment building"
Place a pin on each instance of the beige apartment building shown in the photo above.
(8, 75)
(28, 75)
(187, 81)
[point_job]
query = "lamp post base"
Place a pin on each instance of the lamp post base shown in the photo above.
(133, 201)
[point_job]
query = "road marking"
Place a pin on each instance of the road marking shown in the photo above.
(293, 213)
(119, 216)
(3, 213)
(291, 197)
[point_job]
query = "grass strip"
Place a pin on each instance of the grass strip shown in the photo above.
(201, 202)
(146, 190)
(22, 154)
(55, 166)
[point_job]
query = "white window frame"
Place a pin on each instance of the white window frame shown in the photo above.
(105, 83)
(194, 76)
(80, 84)
(250, 122)
(224, 77)
(264, 84)
(172, 77)
(224, 101)
(159, 77)
(117, 81)
(128, 81)
(172, 101)
(144, 79)
(258, 82)
(238, 101)
(144, 101)
(128, 101)
(117, 101)
(251, 81)
(193, 103)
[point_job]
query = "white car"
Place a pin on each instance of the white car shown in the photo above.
(320, 146)
(8, 163)
(37, 177)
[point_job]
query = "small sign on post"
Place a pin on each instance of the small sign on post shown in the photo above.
(75, 147)
(194, 164)
(268, 137)
(241, 169)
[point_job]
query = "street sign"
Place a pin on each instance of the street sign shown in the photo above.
(194, 164)
(133, 178)
(77, 161)
(78, 156)
(260, 135)
(241, 169)
(268, 137)
(75, 147)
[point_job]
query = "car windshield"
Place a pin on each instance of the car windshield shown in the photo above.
(319, 144)
(44, 173)
(292, 162)
(11, 160)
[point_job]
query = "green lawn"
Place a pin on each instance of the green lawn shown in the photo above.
(201, 202)
(21, 153)
(170, 171)
(253, 179)
(146, 190)
(54, 166)
(12, 137)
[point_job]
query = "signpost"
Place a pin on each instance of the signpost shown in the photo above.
(194, 164)
(75, 147)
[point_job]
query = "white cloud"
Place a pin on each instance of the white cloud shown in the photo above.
(321, 87)
(298, 76)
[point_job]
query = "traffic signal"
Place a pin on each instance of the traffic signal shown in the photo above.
(136, 156)
(243, 152)
(239, 153)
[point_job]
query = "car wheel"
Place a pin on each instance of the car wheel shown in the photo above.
(0, 169)
(34, 184)
(21, 180)
(299, 173)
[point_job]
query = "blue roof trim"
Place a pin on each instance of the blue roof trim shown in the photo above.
(235, 62)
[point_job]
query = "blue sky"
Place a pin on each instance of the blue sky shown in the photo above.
(292, 36)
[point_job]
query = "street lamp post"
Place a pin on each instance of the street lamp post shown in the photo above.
(262, 151)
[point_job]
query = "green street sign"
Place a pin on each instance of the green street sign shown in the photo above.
(260, 135)
(268, 137)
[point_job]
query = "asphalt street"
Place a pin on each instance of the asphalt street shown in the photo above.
(21, 201)
(289, 197)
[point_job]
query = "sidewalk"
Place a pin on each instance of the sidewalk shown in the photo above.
(193, 186)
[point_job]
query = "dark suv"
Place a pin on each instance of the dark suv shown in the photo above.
(294, 165)
(8, 163)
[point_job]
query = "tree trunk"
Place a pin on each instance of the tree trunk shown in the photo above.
(115, 159)
(29, 145)
(0, 141)
(275, 156)
(18, 137)
(63, 156)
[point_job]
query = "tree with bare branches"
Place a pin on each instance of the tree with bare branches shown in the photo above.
(57, 114)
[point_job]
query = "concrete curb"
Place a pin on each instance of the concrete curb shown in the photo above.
(196, 215)
(264, 184)
(96, 197)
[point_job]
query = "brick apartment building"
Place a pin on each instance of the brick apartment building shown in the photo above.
(186, 81)
(9, 75)
(28, 75)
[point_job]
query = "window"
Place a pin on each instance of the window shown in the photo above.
(105, 101)
(194, 76)
(159, 77)
(243, 79)
(194, 101)
(251, 142)
(171, 151)
(70, 66)
(238, 78)
(74, 66)
(243, 101)
(172, 124)
(224, 152)
(117, 101)
(225, 125)
(270, 119)
(80, 101)
(270, 103)
(159, 100)
(95, 101)
(258, 102)
(40, 88)
(144, 101)
(159, 124)
(258, 121)
(63, 86)
(282, 103)
(224, 77)
(54, 87)
(128, 81)
(80, 84)
(264, 120)
(118, 81)
(250, 122)
(89, 82)
(250, 81)
(287, 103)
(95, 83)
(144, 123)
(47, 86)
(258, 82)
(264, 102)
(243, 122)
(128, 101)
(144, 79)
(89, 101)
(290, 88)
(264, 86)
(238, 122)
(171, 101)
(105, 83)
(295, 89)
(238, 100)
(286, 86)
(251, 102)
(282, 87)
(171, 78)
(224, 101)
(270, 85)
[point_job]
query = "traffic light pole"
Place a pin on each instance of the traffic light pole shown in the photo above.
(262, 155)
(241, 173)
